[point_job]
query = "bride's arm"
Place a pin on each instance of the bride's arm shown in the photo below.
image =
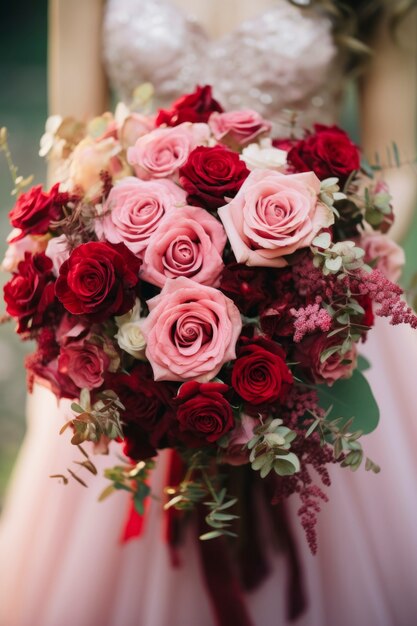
(389, 113)
(76, 79)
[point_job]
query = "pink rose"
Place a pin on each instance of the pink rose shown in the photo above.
(69, 329)
(84, 363)
(274, 215)
(191, 331)
(58, 251)
(134, 209)
(16, 251)
(308, 354)
(236, 452)
(238, 127)
(90, 158)
(161, 153)
(389, 256)
(131, 126)
(188, 242)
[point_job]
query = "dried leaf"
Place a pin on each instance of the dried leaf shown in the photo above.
(65, 426)
(83, 452)
(88, 466)
(106, 493)
(77, 478)
(60, 477)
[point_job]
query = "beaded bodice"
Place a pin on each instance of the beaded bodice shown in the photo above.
(282, 59)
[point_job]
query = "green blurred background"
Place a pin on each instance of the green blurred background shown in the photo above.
(23, 110)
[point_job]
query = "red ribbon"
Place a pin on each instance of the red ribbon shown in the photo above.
(219, 566)
(134, 524)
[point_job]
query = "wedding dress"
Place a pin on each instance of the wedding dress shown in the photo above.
(62, 563)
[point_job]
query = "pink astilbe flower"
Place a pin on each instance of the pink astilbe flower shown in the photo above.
(310, 319)
(299, 401)
(310, 496)
(312, 455)
(310, 281)
(385, 294)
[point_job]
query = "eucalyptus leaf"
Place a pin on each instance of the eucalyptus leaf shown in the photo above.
(213, 534)
(227, 504)
(287, 465)
(77, 408)
(334, 265)
(323, 240)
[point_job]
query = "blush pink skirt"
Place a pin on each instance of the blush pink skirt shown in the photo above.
(63, 564)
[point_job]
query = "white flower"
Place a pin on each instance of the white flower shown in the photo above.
(264, 156)
(130, 339)
(129, 336)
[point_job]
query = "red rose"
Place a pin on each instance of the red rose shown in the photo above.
(212, 174)
(260, 374)
(276, 320)
(85, 363)
(192, 107)
(368, 318)
(309, 351)
(246, 286)
(35, 209)
(99, 280)
(284, 144)
(327, 152)
(136, 444)
(29, 294)
(148, 416)
(146, 401)
(204, 415)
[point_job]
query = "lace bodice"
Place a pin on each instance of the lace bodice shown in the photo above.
(284, 58)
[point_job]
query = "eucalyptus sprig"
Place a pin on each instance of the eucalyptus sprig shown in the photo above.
(337, 433)
(270, 449)
(94, 421)
(340, 259)
(19, 182)
(334, 258)
(200, 484)
(217, 518)
(132, 479)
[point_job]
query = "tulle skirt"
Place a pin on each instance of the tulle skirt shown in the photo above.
(63, 564)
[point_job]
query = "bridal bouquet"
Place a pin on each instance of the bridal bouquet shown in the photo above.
(194, 283)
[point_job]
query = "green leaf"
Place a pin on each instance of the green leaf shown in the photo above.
(224, 517)
(351, 397)
(259, 461)
(77, 408)
(213, 534)
(363, 363)
(227, 505)
(312, 428)
(329, 352)
(287, 465)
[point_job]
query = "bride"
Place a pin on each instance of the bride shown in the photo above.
(62, 562)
